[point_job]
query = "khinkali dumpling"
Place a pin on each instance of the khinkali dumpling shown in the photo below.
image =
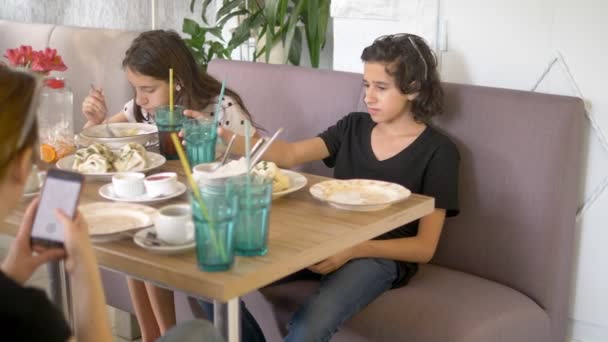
(132, 157)
(95, 163)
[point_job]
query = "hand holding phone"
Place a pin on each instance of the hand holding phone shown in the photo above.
(61, 190)
(21, 261)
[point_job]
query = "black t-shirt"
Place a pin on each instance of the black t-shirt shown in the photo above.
(26, 314)
(429, 166)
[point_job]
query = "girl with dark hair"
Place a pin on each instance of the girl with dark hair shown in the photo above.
(146, 64)
(393, 141)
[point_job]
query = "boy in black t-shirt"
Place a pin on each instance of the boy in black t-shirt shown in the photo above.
(393, 142)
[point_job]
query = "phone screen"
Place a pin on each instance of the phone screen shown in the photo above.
(61, 191)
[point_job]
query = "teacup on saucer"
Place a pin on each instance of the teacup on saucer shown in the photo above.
(174, 224)
(107, 191)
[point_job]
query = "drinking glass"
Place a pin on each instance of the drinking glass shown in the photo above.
(254, 203)
(214, 229)
(200, 135)
(167, 123)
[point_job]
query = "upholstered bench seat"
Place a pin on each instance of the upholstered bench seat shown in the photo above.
(439, 304)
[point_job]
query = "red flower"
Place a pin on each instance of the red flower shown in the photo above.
(42, 61)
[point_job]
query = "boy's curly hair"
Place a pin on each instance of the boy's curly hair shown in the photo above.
(413, 64)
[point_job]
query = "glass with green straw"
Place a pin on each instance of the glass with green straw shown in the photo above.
(214, 210)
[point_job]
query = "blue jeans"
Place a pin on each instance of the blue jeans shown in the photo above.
(340, 296)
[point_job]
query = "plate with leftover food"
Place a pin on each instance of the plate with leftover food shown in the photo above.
(283, 181)
(359, 194)
(98, 161)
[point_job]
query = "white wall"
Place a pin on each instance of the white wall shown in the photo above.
(358, 23)
(512, 44)
(518, 41)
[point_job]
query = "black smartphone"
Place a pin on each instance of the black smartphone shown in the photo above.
(61, 190)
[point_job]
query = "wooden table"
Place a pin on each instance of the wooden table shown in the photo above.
(303, 231)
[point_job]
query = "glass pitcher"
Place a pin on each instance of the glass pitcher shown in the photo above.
(56, 120)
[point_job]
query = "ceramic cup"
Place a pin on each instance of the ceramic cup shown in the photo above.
(174, 225)
(128, 184)
(161, 184)
(208, 174)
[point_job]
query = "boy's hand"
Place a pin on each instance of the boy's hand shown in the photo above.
(333, 262)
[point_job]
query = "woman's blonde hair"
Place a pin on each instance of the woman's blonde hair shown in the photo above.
(17, 114)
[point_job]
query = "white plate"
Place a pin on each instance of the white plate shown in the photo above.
(108, 220)
(359, 194)
(107, 192)
(296, 182)
(139, 237)
(146, 134)
(154, 160)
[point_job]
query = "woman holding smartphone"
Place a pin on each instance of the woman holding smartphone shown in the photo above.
(26, 313)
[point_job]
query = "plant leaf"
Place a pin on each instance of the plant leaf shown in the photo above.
(311, 23)
(295, 51)
(227, 8)
(216, 31)
(204, 11)
(324, 13)
(223, 21)
(242, 32)
(292, 29)
(190, 27)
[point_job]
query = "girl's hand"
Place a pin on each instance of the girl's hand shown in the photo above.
(80, 255)
(332, 263)
(224, 134)
(22, 260)
(191, 113)
(94, 106)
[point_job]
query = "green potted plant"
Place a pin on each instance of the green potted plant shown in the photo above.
(201, 42)
(275, 22)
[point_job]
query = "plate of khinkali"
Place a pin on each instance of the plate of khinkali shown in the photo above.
(97, 161)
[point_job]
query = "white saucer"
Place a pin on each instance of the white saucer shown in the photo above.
(107, 192)
(139, 237)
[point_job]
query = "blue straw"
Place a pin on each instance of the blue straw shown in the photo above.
(219, 103)
(248, 179)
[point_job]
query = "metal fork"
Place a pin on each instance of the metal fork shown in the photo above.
(108, 129)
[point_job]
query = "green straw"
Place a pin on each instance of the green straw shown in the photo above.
(219, 103)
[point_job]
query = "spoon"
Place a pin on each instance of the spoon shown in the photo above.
(258, 155)
(257, 145)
